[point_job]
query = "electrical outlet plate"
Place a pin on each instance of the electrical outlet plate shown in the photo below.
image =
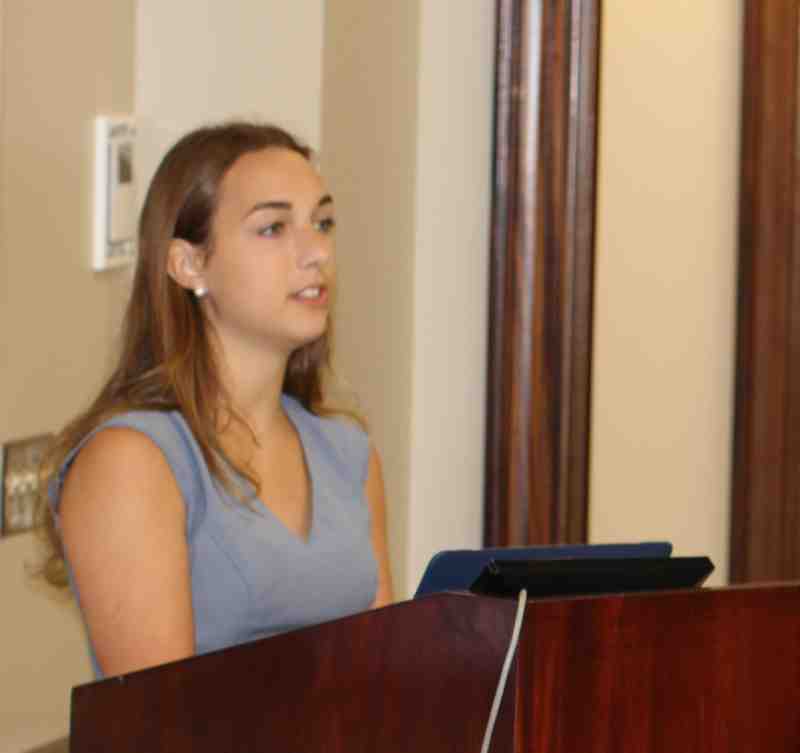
(19, 492)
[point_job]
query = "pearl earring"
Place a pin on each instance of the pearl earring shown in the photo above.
(200, 292)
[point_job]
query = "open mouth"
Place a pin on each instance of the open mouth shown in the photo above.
(312, 293)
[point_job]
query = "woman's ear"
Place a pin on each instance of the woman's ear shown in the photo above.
(185, 264)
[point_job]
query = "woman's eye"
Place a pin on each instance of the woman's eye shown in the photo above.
(271, 230)
(326, 225)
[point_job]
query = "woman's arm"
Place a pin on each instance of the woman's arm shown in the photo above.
(123, 525)
(376, 497)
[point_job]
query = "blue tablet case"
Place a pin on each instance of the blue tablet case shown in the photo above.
(457, 570)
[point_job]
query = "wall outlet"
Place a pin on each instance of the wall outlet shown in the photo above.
(19, 492)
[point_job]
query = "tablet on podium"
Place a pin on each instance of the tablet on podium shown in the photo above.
(458, 569)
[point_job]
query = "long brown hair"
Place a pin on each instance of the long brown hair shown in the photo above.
(166, 360)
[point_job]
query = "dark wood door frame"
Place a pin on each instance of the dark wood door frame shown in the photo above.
(542, 251)
(765, 510)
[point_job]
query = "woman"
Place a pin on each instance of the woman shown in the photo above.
(209, 496)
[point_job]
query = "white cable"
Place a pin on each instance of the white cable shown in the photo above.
(498, 694)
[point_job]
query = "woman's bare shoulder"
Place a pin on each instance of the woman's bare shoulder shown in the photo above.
(123, 529)
(119, 464)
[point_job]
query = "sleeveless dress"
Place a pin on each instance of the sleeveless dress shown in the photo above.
(250, 576)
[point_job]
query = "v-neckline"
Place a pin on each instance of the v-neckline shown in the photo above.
(304, 540)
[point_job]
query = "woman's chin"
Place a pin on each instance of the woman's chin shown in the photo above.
(307, 336)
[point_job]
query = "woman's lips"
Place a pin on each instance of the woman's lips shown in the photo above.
(313, 295)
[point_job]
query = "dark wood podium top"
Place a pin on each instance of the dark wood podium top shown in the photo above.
(707, 670)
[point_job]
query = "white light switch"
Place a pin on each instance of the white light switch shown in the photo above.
(114, 192)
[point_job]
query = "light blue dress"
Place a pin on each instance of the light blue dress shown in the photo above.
(250, 576)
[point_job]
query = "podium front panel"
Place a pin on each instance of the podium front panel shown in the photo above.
(417, 675)
(704, 671)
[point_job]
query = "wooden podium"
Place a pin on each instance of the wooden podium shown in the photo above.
(677, 672)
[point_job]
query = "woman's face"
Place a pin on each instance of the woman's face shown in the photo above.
(270, 267)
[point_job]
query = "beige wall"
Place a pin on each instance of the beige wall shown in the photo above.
(665, 276)
(369, 143)
(57, 317)
(406, 140)
(199, 61)
(454, 127)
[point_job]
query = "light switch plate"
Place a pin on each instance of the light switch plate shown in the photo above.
(19, 490)
(114, 192)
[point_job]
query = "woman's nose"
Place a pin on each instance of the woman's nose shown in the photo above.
(314, 248)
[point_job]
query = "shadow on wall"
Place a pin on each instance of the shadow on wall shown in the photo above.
(57, 746)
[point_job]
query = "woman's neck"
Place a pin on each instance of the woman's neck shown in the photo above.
(253, 384)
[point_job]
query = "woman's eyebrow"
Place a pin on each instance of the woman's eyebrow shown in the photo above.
(326, 199)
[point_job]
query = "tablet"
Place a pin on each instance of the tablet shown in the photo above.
(458, 569)
(573, 577)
